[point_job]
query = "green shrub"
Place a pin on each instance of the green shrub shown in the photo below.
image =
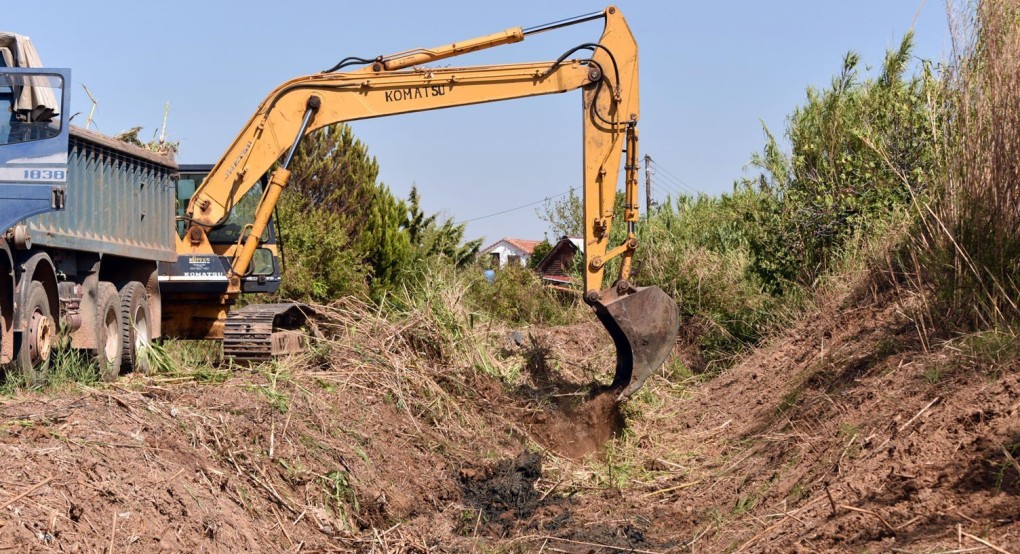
(696, 250)
(861, 151)
(517, 296)
(320, 262)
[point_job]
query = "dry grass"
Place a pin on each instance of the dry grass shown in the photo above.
(970, 240)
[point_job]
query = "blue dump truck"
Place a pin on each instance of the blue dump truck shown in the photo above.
(88, 233)
(86, 221)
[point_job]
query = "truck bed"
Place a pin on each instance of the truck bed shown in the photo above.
(120, 201)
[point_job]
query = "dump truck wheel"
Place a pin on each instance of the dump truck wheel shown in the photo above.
(109, 352)
(38, 336)
(136, 334)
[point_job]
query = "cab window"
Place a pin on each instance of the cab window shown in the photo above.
(243, 213)
(29, 107)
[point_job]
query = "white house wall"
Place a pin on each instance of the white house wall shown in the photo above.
(505, 251)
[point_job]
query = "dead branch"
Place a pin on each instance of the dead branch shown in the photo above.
(918, 414)
(984, 542)
(870, 513)
(113, 532)
(832, 502)
(1010, 457)
(26, 493)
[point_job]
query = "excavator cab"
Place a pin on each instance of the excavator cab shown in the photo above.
(208, 274)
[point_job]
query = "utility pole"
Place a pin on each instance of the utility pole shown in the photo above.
(648, 185)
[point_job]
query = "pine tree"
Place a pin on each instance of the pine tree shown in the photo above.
(332, 170)
(384, 240)
(334, 203)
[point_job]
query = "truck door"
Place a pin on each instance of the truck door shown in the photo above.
(33, 141)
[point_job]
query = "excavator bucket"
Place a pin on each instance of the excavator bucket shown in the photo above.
(644, 323)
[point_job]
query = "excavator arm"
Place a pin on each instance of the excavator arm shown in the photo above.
(642, 321)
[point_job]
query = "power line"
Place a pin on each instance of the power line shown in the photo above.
(546, 199)
(674, 185)
(668, 172)
(673, 178)
(666, 186)
(664, 194)
(678, 184)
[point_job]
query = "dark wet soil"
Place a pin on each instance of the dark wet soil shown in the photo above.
(504, 492)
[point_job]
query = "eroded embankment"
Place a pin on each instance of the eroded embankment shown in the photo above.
(843, 435)
(847, 434)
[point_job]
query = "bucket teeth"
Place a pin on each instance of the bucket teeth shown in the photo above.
(644, 323)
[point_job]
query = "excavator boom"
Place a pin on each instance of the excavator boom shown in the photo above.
(643, 321)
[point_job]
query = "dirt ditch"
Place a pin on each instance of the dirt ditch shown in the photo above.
(842, 436)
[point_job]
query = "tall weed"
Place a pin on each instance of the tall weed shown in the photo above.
(516, 295)
(696, 250)
(968, 246)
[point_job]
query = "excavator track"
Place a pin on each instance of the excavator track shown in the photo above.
(261, 332)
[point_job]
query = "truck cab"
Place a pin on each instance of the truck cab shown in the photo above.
(34, 107)
(33, 140)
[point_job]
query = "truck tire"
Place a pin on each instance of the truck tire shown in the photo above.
(109, 352)
(38, 336)
(3, 339)
(136, 334)
(7, 353)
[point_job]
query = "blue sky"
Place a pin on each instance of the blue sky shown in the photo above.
(711, 73)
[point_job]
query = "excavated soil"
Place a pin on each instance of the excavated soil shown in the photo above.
(853, 432)
(505, 492)
(577, 428)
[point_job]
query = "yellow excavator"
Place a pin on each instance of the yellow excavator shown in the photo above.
(643, 321)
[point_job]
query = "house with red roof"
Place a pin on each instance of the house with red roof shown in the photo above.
(509, 251)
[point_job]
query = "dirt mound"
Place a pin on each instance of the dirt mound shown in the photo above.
(577, 429)
(227, 467)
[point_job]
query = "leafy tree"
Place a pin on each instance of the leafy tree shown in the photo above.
(860, 149)
(541, 250)
(564, 216)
